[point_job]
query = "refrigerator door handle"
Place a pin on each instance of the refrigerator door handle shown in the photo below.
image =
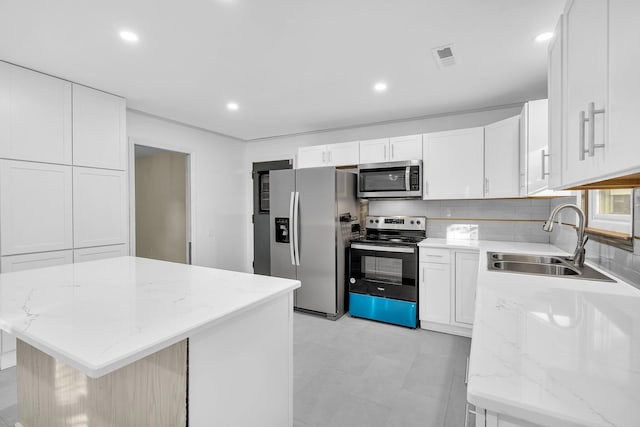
(296, 237)
(292, 227)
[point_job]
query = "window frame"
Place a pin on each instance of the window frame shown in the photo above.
(612, 229)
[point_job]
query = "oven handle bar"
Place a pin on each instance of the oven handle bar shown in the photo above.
(382, 248)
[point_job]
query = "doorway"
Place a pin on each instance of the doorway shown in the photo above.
(162, 191)
(261, 229)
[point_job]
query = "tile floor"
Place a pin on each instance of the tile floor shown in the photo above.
(358, 373)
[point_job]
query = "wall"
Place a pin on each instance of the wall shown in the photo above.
(511, 220)
(285, 147)
(161, 227)
(622, 263)
(217, 189)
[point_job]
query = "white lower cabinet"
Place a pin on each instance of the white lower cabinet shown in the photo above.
(100, 208)
(486, 418)
(435, 289)
(466, 280)
(14, 263)
(447, 289)
(35, 207)
(101, 252)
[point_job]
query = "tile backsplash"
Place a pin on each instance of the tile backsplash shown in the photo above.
(503, 219)
(516, 220)
(620, 262)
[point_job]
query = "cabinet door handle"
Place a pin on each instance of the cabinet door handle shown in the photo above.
(324, 155)
(581, 121)
(385, 152)
(544, 172)
(466, 373)
(466, 415)
(392, 154)
(330, 156)
(486, 186)
(591, 118)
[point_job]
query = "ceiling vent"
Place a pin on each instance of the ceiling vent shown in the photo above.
(444, 56)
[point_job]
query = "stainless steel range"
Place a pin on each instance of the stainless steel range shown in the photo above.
(383, 270)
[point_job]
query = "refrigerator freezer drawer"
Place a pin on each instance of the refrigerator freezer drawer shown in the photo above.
(383, 309)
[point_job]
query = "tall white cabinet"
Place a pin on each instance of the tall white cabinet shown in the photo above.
(35, 116)
(63, 175)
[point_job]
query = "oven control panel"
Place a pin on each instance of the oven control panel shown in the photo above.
(397, 222)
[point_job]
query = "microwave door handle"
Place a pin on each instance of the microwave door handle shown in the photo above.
(296, 216)
(407, 179)
(291, 229)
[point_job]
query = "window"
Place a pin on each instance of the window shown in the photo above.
(610, 216)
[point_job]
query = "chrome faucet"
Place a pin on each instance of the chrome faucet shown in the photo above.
(578, 254)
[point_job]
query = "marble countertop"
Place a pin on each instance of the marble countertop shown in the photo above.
(99, 316)
(553, 351)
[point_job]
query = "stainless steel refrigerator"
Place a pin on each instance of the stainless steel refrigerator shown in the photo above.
(310, 218)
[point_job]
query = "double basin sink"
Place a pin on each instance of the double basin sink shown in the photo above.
(542, 265)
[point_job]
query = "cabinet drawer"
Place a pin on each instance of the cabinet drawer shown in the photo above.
(442, 256)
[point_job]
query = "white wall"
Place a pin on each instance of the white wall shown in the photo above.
(280, 148)
(218, 190)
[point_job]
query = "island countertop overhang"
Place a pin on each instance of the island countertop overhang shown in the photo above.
(102, 315)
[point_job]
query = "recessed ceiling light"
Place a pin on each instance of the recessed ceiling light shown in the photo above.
(129, 36)
(380, 87)
(543, 37)
(233, 106)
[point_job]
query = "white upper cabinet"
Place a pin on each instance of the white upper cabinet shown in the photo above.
(342, 154)
(622, 150)
(99, 129)
(396, 149)
(535, 116)
(100, 207)
(501, 158)
(556, 106)
(405, 148)
(35, 207)
(312, 157)
(586, 68)
(375, 151)
(35, 116)
(453, 166)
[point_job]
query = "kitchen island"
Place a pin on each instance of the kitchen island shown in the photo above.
(133, 341)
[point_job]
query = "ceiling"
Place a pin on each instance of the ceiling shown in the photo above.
(292, 65)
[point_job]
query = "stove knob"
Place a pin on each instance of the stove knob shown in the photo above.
(352, 280)
(371, 221)
(377, 221)
(418, 222)
(412, 222)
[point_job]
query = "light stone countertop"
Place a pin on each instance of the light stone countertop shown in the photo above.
(553, 351)
(102, 315)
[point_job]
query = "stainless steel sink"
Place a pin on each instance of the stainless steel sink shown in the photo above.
(542, 265)
(533, 259)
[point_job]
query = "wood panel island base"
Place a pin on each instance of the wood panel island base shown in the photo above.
(135, 342)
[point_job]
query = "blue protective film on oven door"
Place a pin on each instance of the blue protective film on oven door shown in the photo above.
(383, 309)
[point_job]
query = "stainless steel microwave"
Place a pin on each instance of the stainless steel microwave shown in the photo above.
(400, 180)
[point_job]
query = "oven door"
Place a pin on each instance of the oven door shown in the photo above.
(385, 271)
